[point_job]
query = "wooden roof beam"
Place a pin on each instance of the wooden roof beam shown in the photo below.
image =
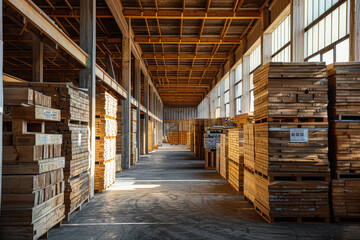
(181, 68)
(183, 56)
(187, 40)
(192, 14)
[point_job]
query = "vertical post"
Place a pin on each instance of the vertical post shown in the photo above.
(1, 93)
(146, 103)
(137, 97)
(232, 102)
(222, 98)
(126, 104)
(297, 30)
(38, 59)
(87, 76)
(354, 30)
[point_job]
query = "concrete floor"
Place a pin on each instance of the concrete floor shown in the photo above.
(169, 195)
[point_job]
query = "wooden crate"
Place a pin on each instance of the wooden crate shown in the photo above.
(236, 145)
(290, 90)
(174, 138)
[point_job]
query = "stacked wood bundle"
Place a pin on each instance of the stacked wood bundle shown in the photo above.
(174, 138)
(118, 140)
(224, 160)
(191, 134)
(105, 132)
(249, 162)
(150, 138)
(74, 106)
(241, 119)
(218, 157)
(292, 172)
(199, 150)
(290, 90)
(133, 144)
(33, 177)
(236, 159)
(344, 139)
(345, 199)
(182, 138)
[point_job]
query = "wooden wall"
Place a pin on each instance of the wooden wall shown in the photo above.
(179, 113)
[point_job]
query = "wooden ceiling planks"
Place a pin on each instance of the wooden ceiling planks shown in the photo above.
(187, 42)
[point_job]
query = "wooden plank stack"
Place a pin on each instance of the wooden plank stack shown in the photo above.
(291, 145)
(105, 132)
(236, 159)
(182, 138)
(133, 146)
(174, 138)
(74, 106)
(33, 177)
(249, 162)
(224, 159)
(344, 139)
(118, 139)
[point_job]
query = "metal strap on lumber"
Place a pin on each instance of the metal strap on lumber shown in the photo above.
(43, 22)
(109, 82)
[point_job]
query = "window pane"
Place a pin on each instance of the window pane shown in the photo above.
(314, 59)
(315, 38)
(227, 97)
(335, 25)
(251, 81)
(328, 30)
(310, 41)
(342, 20)
(226, 84)
(238, 76)
(322, 34)
(342, 51)
(238, 106)
(328, 57)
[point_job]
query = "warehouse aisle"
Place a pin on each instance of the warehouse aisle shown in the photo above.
(169, 195)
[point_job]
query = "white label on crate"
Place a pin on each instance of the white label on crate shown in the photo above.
(79, 139)
(44, 139)
(50, 115)
(299, 135)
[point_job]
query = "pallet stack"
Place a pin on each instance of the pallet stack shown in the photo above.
(191, 134)
(236, 159)
(291, 144)
(33, 178)
(224, 159)
(249, 162)
(133, 146)
(344, 143)
(74, 106)
(182, 138)
(199, 150)
(118, 139)
(105, 132)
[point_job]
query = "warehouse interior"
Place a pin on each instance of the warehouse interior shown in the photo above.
(180, 119)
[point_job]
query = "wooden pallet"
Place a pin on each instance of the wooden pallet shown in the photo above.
(210, 159)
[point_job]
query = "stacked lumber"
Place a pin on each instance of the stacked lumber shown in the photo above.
(241, 119)
(217, 157)
(224, 160)
(182, 138)
(33, 177)
(345, 199)
(191, 134)
(291, 166)
(249, 162)
(106, 133)
(290, 90)
(133, 144)
(199, 150)
(344, 139)
(118, 140)
(174, 138)
(74, 106)
(236, 159)
(210, 159)
(150, 139)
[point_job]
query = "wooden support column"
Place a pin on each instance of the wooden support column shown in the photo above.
(87, 76)
(146, 105)
(297, 30)
(126, 104)
(1, 92)
(354, 30)
(137, 97)
(38, 59)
